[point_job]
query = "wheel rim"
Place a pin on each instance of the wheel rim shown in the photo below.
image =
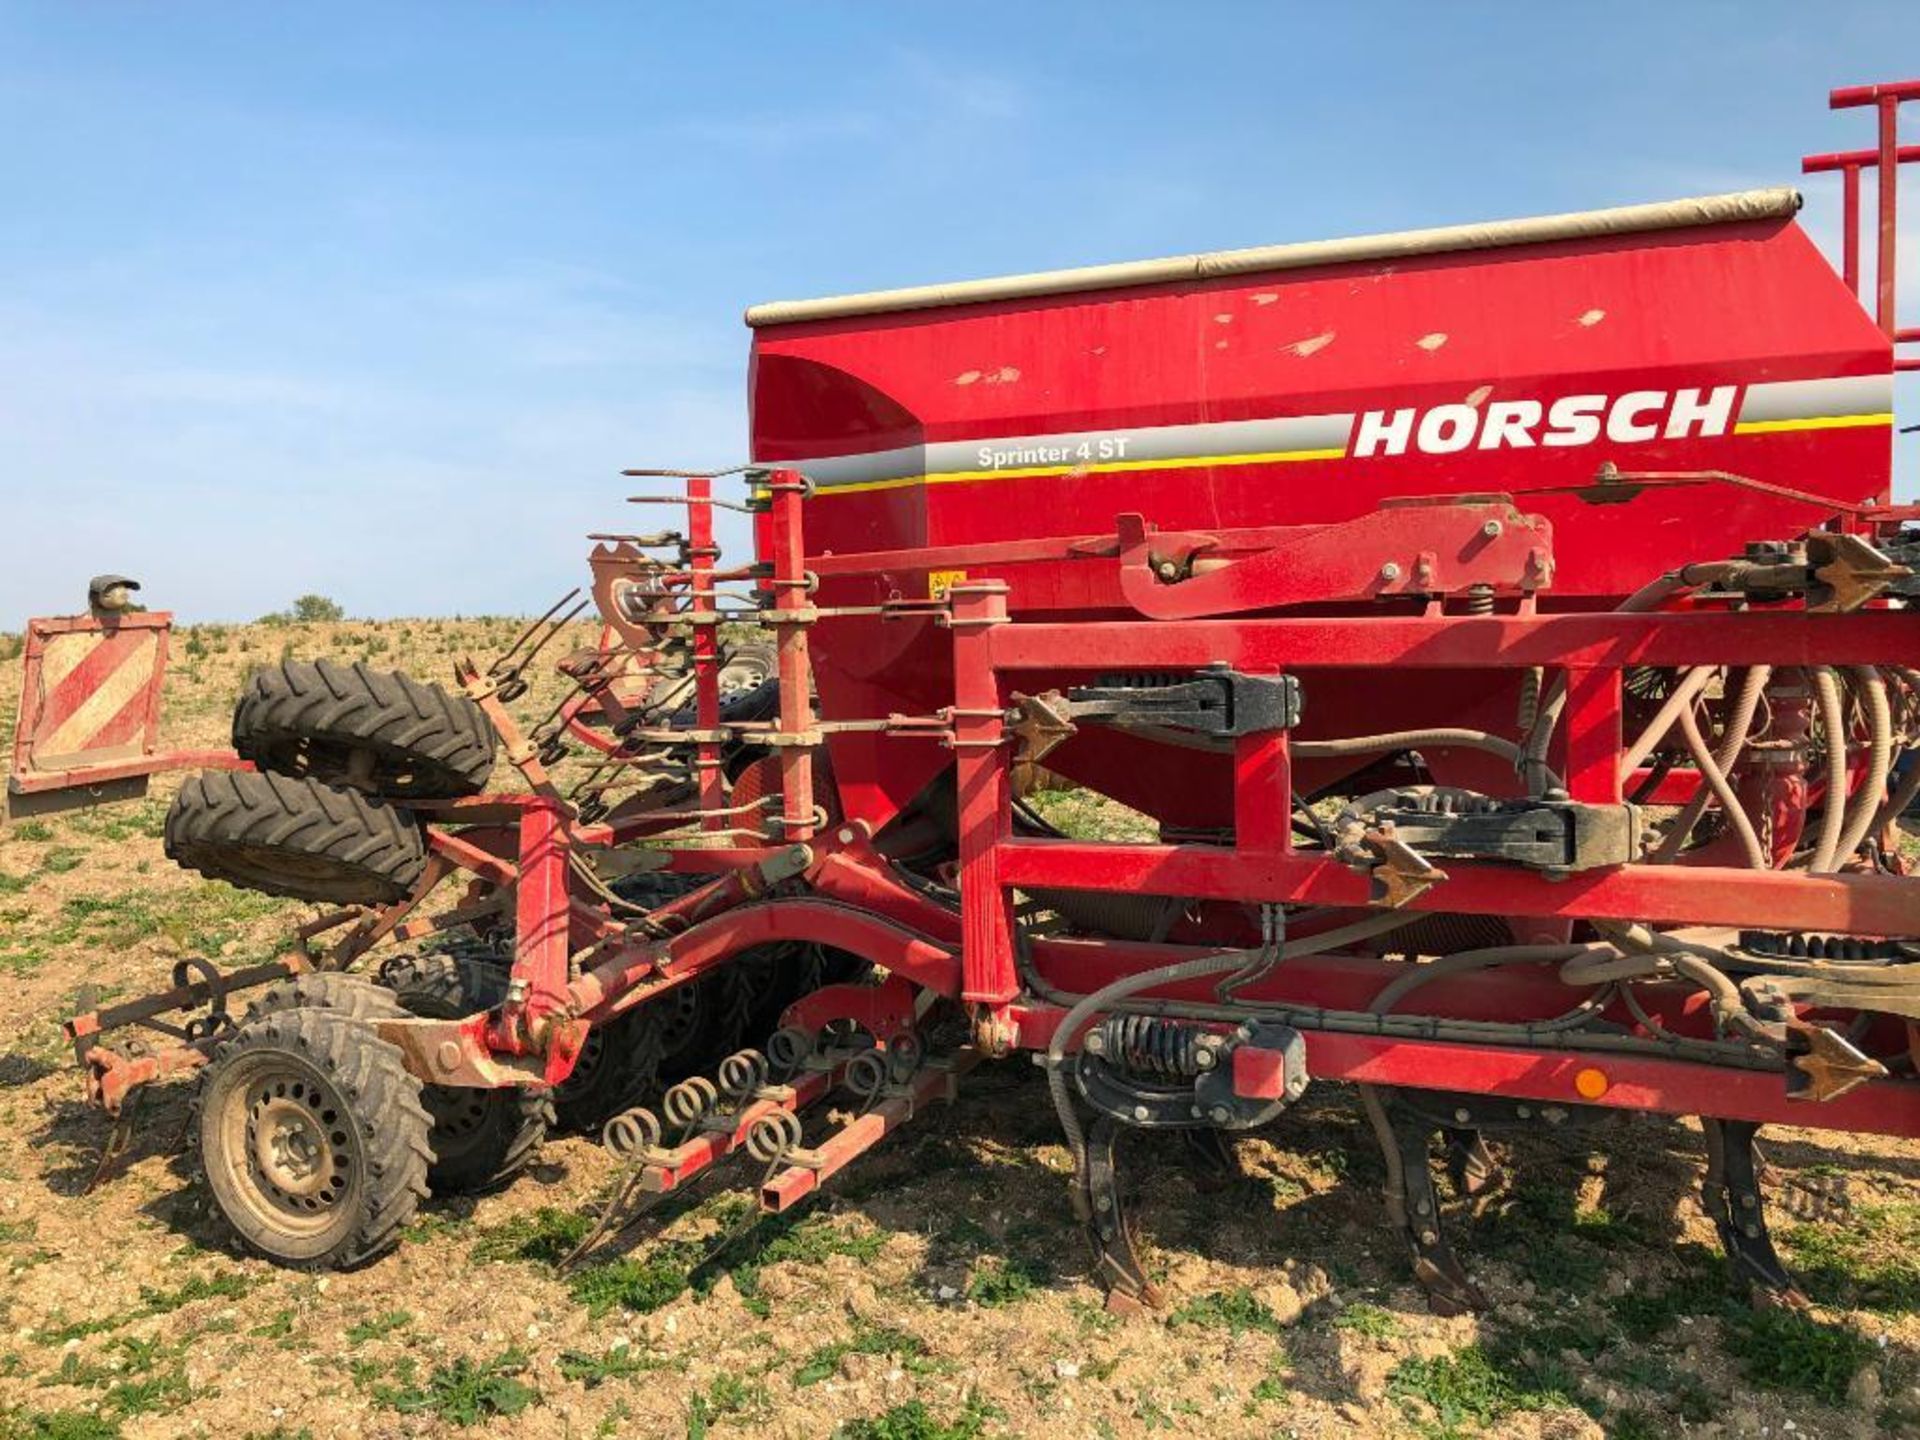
(289, 1148)
(315, 877)
(680, 1018)
(459, 1115)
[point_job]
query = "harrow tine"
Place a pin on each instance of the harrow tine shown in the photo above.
(1414, 1206)
(119, 1140)
(1731, 1195)
(1096, 1198)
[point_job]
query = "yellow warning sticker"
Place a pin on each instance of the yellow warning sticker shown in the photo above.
(941, 581)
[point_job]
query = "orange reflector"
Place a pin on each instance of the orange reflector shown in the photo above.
(1591, 1083)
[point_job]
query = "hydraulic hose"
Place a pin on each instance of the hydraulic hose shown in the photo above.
(1412, 739)
(1732, 742)
(1722, 790)
(1833, 725)
(1219, 962)
(1682, 698)
(1873, 787)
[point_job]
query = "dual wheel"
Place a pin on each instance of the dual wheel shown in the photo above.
(318, 1144)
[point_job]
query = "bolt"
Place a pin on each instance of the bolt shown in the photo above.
(1205, 1059)
(1423, 1206)
(846, 835)
(1429, 1237)
(1167, 570)
(1094, 1043)
(1198, 1112)
(1220, 1115)
(1105, 1202)
(447, 1057)
(1525, 1112)
(1492, 529)
(1389, 571)
(1140, 1112)
(1463, 1115)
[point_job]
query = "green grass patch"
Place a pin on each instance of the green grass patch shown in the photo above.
(378, 1327)
(914, 1421)
(1869, 1261)
(621, 1362)
(57, 1425)
(1788, 1350)
(1368, 1320)
(996, 1282)
(1236, 1311)
(1468, 1388)
(865, 1340)
(465, 1392)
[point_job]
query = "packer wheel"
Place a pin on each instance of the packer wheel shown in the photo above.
(313, 1139)
(372, 730)
(619, 1066)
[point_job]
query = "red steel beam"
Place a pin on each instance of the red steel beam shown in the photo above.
(1621, 1082)
(1878, 637)
(1699, 894)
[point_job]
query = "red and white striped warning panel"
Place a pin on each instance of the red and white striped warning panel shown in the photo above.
(90, 700)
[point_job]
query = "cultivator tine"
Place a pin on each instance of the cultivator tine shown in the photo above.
(1096, 1199)
(1414, 1206)
(1731, 1195)
(1470, 1165)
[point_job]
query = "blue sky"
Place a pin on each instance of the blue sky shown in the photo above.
(375, 299)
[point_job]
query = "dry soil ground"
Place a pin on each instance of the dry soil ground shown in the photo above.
(938, 1291)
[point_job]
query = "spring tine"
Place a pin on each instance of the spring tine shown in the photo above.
(499, 665)
(741, 1074)
(788, 1049)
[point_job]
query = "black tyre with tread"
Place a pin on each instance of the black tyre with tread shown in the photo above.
(354, 996)
(312, 1139)
(481, 1138)
(619, 1066)
(374, 729)
(298, 838)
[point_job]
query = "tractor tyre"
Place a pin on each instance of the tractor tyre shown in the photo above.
(355, 997)
(481, 1138)
(298, 838)
(618, 1066)
(374, 730)
(313, 1139)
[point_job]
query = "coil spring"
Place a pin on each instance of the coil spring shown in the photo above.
(868, 1073)
(1149, 1046)
(773, 1135)
(690, 1101)
(742, 1073)
(631, 1132)
(788, 1047)
(1478, 600)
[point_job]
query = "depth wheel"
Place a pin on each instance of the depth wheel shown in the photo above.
(481, 1138)
(374, 730)
(313, 1139)
(294, 837)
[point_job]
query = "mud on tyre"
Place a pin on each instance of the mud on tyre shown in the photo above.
(298, 838)
(373, 730)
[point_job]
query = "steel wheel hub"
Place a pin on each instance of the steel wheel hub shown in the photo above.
(296, 1146)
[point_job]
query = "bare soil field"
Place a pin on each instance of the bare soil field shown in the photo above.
(938, 1290)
